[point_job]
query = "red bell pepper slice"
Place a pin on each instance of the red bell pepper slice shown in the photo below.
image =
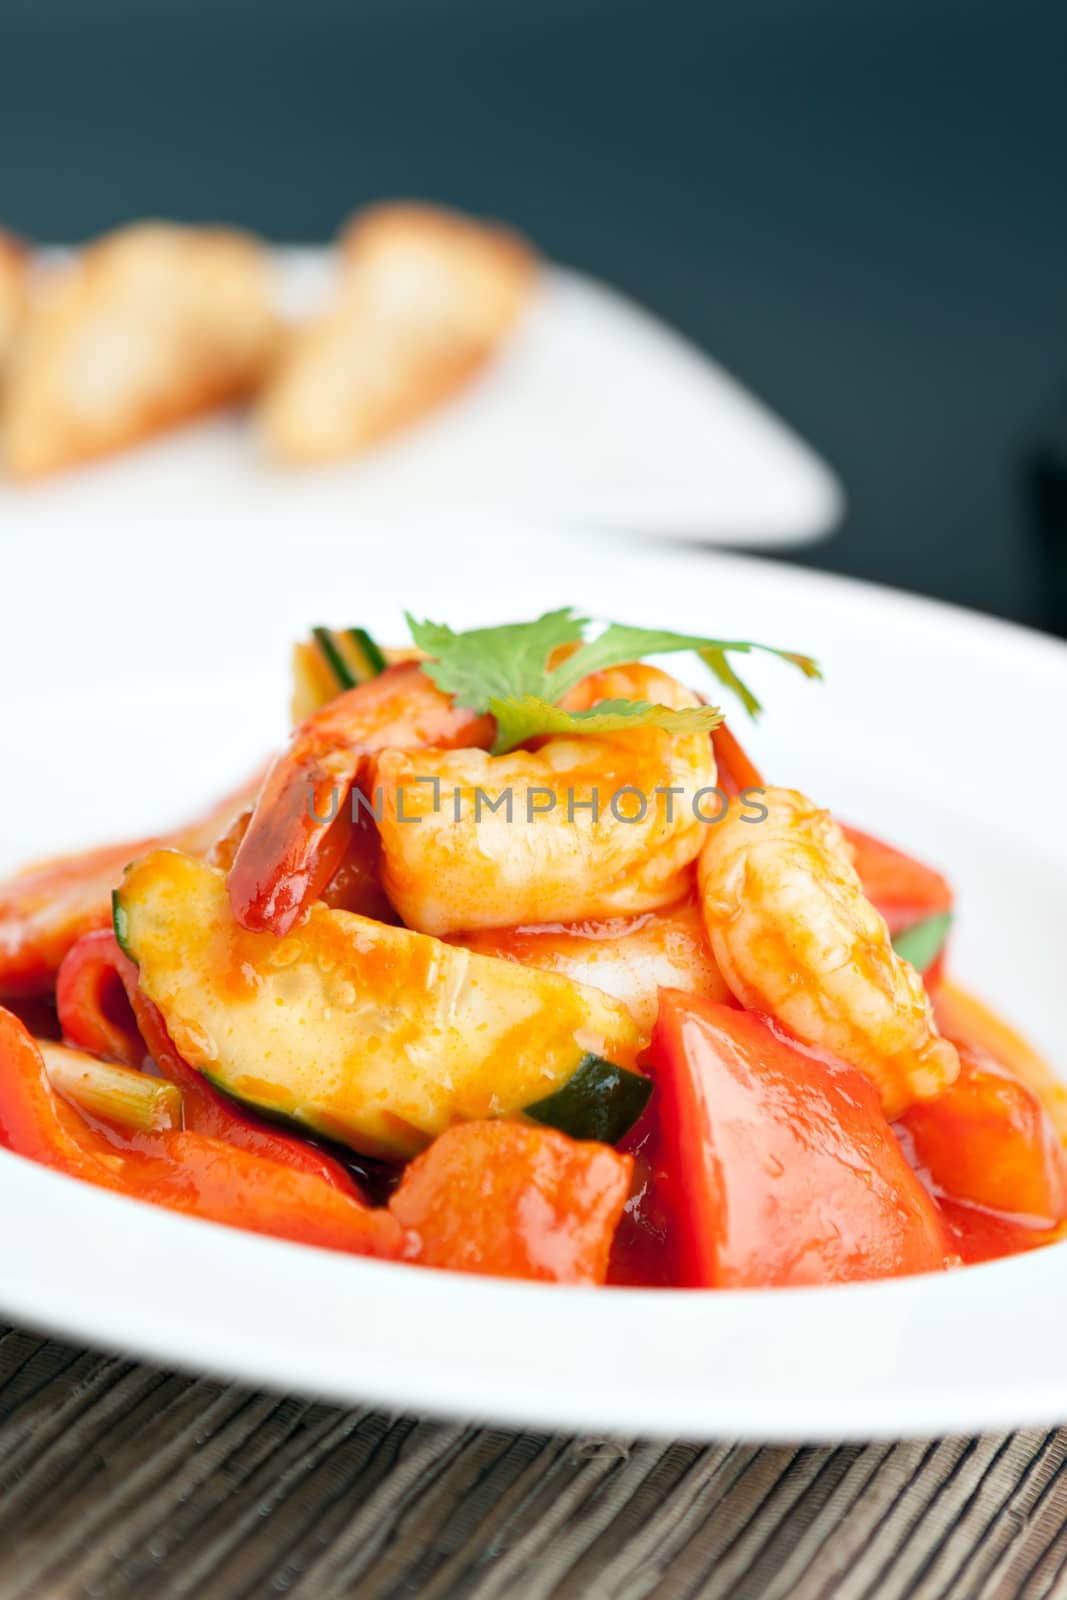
(967, 1020)
(514, 1201)
(641, 1255)
(211, 1178)
(987, 1140)
(735, 772)
(182, 1171)
(94, 1009)
(901, 888)
(783, 1168)
(102, 1010)
(34, 1121)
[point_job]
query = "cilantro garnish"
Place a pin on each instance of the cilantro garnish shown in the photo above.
(502, 663)
(505, 671)
(528, 717)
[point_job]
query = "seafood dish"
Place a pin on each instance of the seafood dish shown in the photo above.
(512, 962)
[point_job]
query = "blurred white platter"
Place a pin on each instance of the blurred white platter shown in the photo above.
(143, 674)
(595, 415)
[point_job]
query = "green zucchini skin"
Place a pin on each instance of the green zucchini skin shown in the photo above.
(333, 658)
(601, 1101)
(369, 661)
(375, 660)
(120, 923)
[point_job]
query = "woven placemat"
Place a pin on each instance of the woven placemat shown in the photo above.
(119, 1479)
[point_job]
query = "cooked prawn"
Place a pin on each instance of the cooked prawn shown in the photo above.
(629, 958)
(794, 935)
(50, 904)
(301, 826)
(596, 826)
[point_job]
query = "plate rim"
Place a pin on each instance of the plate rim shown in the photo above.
(811, 515)
(43, 1270)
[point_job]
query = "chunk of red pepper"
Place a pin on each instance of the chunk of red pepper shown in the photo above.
(185, 1171)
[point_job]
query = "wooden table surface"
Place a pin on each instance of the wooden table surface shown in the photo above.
(119, 1479)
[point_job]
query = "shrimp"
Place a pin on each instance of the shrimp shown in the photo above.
(794, 936)
(47, 906)
(596, 826)
(629, 958)
(301, 826)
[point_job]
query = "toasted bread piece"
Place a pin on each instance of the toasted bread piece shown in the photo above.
(148, 327)
(14, 278)
(426, 296)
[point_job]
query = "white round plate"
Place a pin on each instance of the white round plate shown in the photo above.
(595, 413)
(142, 676)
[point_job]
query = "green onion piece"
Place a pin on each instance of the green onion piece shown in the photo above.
(922, 943)
(122, 1095)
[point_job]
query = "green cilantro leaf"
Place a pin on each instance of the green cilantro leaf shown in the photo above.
(716, 663)
(529, 717)
(505, 662)
(619, 644)
(505, 670)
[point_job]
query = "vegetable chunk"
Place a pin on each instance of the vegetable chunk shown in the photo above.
(515, 1202)
(371, 1035)
(783, 1168)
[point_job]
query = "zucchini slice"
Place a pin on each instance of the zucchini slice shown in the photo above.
(350, 653)
(602, 1101)
(331, 661)
(374, 1036)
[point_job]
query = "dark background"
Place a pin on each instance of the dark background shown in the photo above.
(859, 207)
